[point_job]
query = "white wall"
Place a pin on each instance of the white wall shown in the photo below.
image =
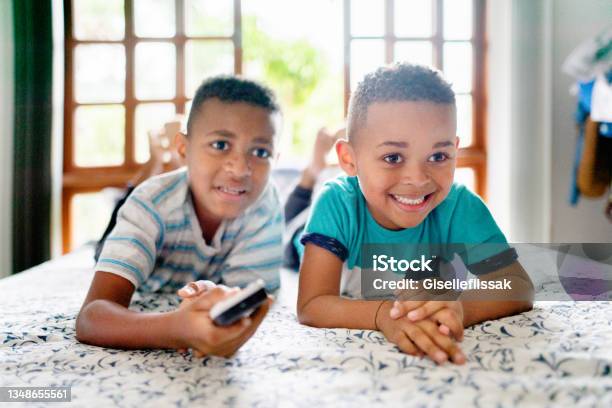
(531, 128)
(573, 21)
(518, 104)
(6, 135)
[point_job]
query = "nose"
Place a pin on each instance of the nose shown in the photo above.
(415, 174)
(238, 165)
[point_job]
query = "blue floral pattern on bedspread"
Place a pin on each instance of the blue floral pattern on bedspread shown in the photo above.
(555, 355)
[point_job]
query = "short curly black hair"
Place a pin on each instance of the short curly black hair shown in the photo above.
(230, 89)
(397, 83)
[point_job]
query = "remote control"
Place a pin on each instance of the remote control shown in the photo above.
(243, 304)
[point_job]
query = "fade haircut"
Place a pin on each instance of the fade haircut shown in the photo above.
(397, 83)
(232, 89)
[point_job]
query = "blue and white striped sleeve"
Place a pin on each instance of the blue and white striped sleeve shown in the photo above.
(131, 248)
(259, 247)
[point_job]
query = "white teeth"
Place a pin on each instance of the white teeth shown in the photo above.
(409, 201)
(234, 191)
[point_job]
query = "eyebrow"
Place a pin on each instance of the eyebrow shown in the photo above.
(263, 140)
(232, 135)
(222, 132)
(394, 144)
(405, 144)
(444, 144)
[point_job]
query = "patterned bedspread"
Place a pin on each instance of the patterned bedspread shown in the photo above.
(559, 354)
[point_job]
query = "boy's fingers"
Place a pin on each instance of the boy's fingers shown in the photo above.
(205, 301)
(401, 308)
(228, 288)
(261, 312)
(450, 322)
(426, 310)
(423, 341)
(255, 320)
(195, 288)
(446, 343)
(219, 335)
(407, 346)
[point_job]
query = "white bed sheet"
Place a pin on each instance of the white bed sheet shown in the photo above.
(559, 354)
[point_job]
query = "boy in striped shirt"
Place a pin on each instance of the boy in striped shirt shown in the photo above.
(217, 219)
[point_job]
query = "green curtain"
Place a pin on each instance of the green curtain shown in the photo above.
(32, 162)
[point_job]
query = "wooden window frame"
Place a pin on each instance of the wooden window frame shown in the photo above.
(90, 179)
(473, 156)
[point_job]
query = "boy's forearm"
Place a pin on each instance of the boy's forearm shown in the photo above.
(332, 311)
(479, 305)
(108, 324)
(476, 311)
(518, 299)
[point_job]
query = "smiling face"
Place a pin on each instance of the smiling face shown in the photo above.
(229, 153)
(404, 156)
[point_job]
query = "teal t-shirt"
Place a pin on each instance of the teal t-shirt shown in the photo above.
(340, 213)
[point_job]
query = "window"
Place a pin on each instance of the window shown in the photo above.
(132, 65)
(447, 34)
(113, 96)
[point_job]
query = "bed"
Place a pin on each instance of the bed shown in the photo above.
(558, 354)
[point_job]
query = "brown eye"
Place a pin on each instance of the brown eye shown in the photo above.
(393, 158)
(261, 153)
(438, 157)
(220, 145)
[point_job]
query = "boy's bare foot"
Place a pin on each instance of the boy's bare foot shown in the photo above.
(324, 141)
(162, 154)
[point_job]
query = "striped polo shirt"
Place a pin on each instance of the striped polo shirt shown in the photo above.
(158, 245)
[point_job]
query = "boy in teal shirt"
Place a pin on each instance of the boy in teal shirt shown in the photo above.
(400, 158)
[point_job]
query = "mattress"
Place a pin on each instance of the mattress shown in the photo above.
(558, 354)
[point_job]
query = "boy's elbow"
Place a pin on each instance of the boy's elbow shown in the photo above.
(83, 325)
(302, 316)
(526, 306)
(520, 306)
(527, 303)
(306, 317)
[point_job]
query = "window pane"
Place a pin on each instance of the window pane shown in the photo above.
(366, 56)
(458, 19)
(150, 116)
(209, 18)
(416, 52)
(466, 176)
(99, 135)
(154, 18)
(458, 66)
(367, 18)
(155, 71)
(464, 120)
(207, 58)
(95, 82)
(413, 18)
(89, 215)
(98, 19)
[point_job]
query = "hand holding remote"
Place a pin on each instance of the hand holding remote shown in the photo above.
(198, 332)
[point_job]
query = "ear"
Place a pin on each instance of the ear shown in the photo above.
(457, 142)
(181, 141)
(346, 157)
